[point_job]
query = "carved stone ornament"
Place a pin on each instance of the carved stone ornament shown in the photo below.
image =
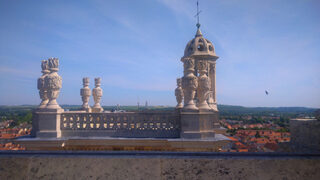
(53, 83)
(212, 95)
(97, 94)
(179, 93)
(188, 65)
(203, 90)
(85, 93)
(41, 85)
(189, 84)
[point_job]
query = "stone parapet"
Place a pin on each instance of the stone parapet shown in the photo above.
(124, 144)
(157, 165)
(305, 135)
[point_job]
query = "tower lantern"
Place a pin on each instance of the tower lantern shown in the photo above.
(199, 114)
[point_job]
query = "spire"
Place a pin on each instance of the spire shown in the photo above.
(198, 21)
(197, 15)
(198, 33)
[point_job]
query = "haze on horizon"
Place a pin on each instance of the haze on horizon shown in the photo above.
(136, 46)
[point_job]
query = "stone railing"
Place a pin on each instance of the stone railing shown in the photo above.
(127, 124)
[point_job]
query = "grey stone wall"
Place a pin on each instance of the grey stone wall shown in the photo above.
(305, 135)
(135, 165)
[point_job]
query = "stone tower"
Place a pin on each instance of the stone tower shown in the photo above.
(199, 115)
(202, 50)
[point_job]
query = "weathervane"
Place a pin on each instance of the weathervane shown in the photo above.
(197, 15)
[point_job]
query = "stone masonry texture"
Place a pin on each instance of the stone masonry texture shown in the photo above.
(158, 167)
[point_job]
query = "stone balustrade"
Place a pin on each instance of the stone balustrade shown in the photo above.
(124, 124)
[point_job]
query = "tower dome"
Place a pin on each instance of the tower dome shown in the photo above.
(200, 46)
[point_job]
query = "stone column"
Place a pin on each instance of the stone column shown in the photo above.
(53, 83)
(85, 93)
(203, 85)
(97, 94)
(179, 94)
(189, 84)
(41, 85)
(212, 98)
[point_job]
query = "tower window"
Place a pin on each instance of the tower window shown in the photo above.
(200, 47)
(210, 48)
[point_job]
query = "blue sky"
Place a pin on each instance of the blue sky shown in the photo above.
(136, 46)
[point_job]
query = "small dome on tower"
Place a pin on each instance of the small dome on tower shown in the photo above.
(200, 46)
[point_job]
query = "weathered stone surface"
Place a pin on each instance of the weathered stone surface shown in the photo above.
(53, 83)
(46, 123)
(95, 166)
(200, 46)
(305, 135)
(189, 84)
(198, 124)
(203, 86)
(228, 168)
(128, 144)
(97, 94)
(212, 100)
(79, 168)
(14, 167)
(43, 92)
(85, 93)
(179, 94)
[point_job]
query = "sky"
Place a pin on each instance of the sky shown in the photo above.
(136, 46)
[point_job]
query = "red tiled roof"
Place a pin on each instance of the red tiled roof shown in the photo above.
(242, 150)
(233, 139)
(271, 146)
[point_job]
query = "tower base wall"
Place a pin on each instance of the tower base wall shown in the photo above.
(198, 124)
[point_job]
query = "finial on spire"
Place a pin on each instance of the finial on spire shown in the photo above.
(197, 15)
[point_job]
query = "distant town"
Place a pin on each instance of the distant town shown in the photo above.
(256, 129)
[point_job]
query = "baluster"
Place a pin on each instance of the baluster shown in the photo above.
(88, 121)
